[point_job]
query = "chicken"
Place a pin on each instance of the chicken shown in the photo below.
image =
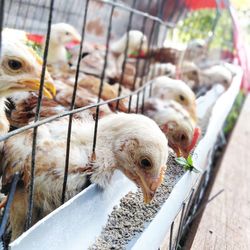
(161, 69)
(19, 71)
(175, 52)
(195, 50)
(131, 143)
(175, 122)
(61, 35)
(23, 106)
(93, 58)
(206, 77)
(137, 44)
(166, 88)
(216, 74)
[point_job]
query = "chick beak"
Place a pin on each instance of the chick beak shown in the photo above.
(184, 153)
(49, 89)
(176, 148)
(75, 41)
(149, 185)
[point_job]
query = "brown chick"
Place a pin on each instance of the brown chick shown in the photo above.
(131, 143)
(20, 70)
(175, 122)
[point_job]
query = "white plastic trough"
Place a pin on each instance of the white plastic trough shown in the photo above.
(77, 223)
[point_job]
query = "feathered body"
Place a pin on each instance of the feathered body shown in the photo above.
(175, 122)
(166, 88)
(118, 147)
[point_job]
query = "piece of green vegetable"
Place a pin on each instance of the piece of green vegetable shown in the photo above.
(187, 164)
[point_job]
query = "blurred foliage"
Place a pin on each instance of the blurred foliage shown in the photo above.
(200, 24)
(241, 4)
(234, 113)
(36, 47)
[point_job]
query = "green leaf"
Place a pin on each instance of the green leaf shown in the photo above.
(190, 160)
(187, 164)
(182, 161)
(195, 170)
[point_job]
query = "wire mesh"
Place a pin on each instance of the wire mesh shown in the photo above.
(37, 16)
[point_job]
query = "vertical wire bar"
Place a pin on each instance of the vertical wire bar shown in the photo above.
(37, 116)
(171, 236)
(180, 226)
(18, 13)
(153, 75)
(188, 206)
(65, 178)
(137, 61)
(1, 23)
(176, 3)
(102, 79)
(8, 11)
(198, 192)
(144, 72)
(125, 55)
(150, 60)
(60, 9)
(25, 16)
(43, 7)
(4, 219)
(160, 14)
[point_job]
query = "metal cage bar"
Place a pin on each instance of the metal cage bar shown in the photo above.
(37, 116)
(73, 104)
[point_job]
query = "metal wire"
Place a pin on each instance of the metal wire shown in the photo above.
(125, 54)
(73, 105)
(137, 61)
(171, 236)
(102, 80)
(144, 14)
(37, 116)
(180, 225)
(10, 198)
(67, 113)
(1, 23)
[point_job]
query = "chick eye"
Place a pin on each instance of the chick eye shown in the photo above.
(225, 81)
(183, 137)
(194, 73)
(14, 64)
(66, 33)
(145, 163)
(182, 98)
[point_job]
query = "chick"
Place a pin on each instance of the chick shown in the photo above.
(166, 88)
(131, 143)
(175, 122)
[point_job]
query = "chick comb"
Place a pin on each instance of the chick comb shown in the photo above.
(35, 38)
(196, 136)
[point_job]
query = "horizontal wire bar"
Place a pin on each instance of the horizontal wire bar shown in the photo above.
(138, 12)
(67, 113)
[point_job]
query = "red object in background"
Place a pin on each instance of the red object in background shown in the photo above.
(205, 4)
(35, 38)
(242, 52)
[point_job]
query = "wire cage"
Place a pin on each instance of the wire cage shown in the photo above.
(101, 22)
